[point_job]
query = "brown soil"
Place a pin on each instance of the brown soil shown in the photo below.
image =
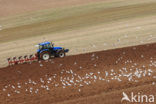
(98, 77)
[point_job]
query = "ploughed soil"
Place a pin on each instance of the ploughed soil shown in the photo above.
(97, 77)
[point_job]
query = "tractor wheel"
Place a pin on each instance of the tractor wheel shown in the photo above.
(45, 56)
(61, 54)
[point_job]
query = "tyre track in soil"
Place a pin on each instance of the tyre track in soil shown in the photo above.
(79, 76)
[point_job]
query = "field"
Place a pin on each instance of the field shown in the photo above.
(112, 50)
(87, 78)
(82, 28)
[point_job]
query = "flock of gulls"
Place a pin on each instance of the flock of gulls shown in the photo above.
(67, 78)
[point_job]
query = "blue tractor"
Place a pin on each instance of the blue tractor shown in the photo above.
(47, 50)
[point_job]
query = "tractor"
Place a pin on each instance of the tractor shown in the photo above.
(46, 50)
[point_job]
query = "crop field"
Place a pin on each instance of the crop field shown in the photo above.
(97, 75)
(85, 27)
(112, 47)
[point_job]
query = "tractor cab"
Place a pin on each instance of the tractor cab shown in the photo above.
(45, 45)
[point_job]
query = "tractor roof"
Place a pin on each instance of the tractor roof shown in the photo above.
(44, 43)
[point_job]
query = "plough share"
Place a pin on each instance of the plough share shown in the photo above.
(21, 60)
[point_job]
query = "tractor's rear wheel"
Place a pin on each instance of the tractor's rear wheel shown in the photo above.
(45, 56)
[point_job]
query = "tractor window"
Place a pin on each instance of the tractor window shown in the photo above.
(48, 46)
(40, 47)
(44, 46)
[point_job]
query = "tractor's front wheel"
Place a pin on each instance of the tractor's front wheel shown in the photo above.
(45, 56)
(61, 54)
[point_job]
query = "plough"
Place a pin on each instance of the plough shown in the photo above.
(21, 60)
(44, 52)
